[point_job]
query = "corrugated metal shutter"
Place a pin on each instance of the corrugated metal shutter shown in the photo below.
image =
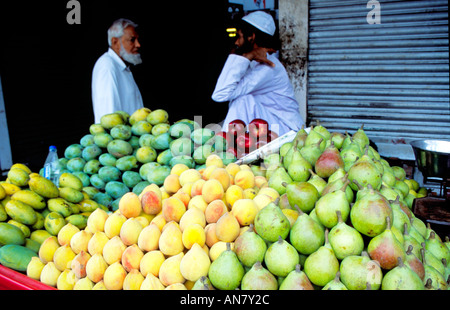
(393, 77)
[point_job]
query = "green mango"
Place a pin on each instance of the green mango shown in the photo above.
(138, 188)
(31, 198)
(181, 130)
(97, 182)
(103, 199)
(108, 173)
(60, 205)
(162, 141)
(95, 129)
(53, 223)
(109, 121)
(146, 139)
(116, 189)
(21, 212)
(121, 131)
(131, 178)
(76, 164)
(183, 159)
(91, 152)
(201, 135)
(160, 129)
(126, 163)
(102, 139)
(182, 146)
(87, 140)
(201, 153)
(119, 148)
(146, 154)
(79, 220)
(18, 177)
(145, 169)
(84, 177)
(107, 159)
(73, 150)
(10, 234)
(141, 127)
(16, 257)
(158, 174)
(164, 157)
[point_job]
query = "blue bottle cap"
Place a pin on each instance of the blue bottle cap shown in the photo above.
(52, 148)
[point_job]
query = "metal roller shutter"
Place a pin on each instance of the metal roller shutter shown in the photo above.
(393, 77)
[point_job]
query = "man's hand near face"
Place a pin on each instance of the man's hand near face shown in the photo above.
(259, 54)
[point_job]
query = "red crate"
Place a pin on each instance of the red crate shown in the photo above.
(13, 280)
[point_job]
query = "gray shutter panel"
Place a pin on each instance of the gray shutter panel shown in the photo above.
(393, 77)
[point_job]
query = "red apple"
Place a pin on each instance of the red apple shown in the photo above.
(258, 128)
(227, 136)
(271, 135)
(236, 127)
(245, 142)
(260, 143)
(232, 150)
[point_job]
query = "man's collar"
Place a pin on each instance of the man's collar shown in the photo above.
(117, 58)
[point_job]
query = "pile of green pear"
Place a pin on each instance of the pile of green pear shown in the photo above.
(354, 228)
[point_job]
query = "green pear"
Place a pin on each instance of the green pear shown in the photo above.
(368, 213)
(433, 278)
(226, 271)
(328, 162)
(299, 167)
(250, 247)
(413, 262)
(270, 223)
(365, 172)
(314, 137)
(300, 137)
(409, 240)
(322, 265)
(277, 178)
(361, 137)
(385, 248)
(281, 258)
(435, 245)
(259, 278)
(311, 152)
(400, 218)
(322, 131)
(338, 139)
(306, 234)
(302, 194)
(344, 239)
(401, 278)
(317, 181)
(296, 280)
(358, 270)
(335, 284)
(328, 204)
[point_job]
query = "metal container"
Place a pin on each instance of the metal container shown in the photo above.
(433, 158)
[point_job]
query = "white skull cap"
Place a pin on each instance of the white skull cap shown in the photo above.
(261, 20)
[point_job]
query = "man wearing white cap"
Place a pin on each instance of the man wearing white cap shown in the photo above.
(255, 82)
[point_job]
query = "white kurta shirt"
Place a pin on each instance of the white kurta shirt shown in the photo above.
(257, 90)
(113, 87)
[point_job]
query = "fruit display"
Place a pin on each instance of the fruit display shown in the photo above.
(128, 152)
(325, 212)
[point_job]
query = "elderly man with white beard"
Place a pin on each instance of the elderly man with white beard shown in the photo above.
(113, 85)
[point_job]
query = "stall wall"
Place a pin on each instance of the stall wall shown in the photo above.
(383, 64)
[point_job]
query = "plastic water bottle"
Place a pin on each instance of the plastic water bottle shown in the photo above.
(52, 167)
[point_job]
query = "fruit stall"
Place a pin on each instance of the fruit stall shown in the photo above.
(143, 202)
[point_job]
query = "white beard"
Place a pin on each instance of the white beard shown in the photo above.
(134, 59)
